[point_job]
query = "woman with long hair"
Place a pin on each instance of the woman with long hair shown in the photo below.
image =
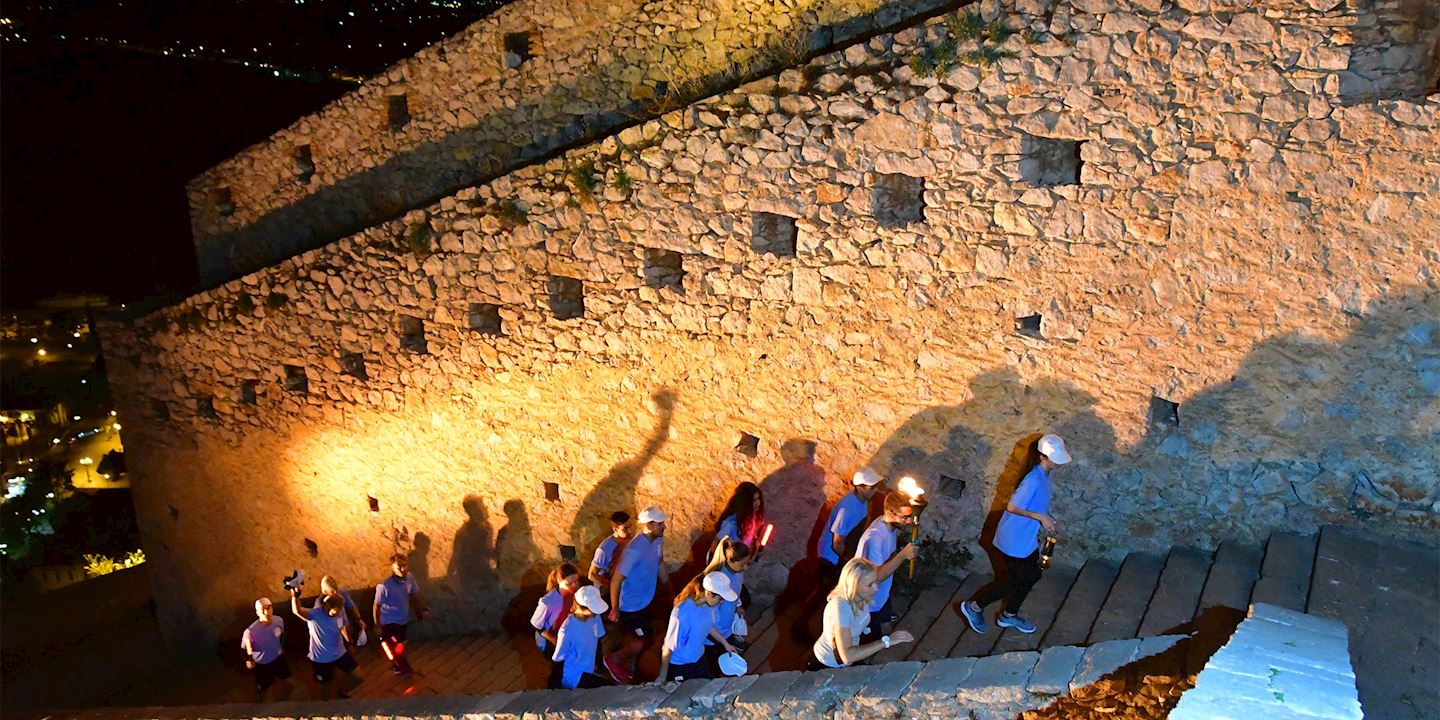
(682, 655)
(847, 615)
(743, 518)
(730, 558)
(554, 606)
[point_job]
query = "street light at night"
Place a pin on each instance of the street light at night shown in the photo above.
(87, 462)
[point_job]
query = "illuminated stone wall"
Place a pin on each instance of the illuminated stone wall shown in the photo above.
(1164, 236)
(532, 77)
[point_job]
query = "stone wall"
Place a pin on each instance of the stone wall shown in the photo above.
(1163, 234)
(532, 77)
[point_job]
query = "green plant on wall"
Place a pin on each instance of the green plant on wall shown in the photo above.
(582, 180)
(510, 214)
(622, 181)
(419, 239)
(936, 563)
(968, 40)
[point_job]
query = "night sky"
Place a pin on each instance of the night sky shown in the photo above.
(109, 108)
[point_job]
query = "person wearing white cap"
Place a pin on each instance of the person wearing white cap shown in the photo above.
(632, 588)
(835, 545)
(578, 640)
(265, 651)
(1017, 538)
(682, 656)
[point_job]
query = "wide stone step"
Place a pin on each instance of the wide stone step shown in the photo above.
(927, 606)
(1082, 604)
(1178, 593)
(1231, 578)
(1040, 607)
(1125, 606)
(947, 626)
(1285, 574)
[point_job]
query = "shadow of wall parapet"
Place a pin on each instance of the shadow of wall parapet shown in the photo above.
(531, 79)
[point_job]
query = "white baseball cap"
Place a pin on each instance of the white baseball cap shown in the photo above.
(262, 602)
(589, 598)
(733, 665)
(1051, 446)
(652, 514)
(719, 583)
(867, 477)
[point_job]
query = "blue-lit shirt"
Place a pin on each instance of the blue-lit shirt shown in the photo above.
(640, 565)
(847, 515)
(685, 637)
(1016, 535)
(726, 610)
(575, 648)
(547, 611)
(605, 556)
(729, 528)
(263, 641)
(877, 545)
(393, 597)
(326, 642)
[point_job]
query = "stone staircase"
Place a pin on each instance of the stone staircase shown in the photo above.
(1339, 573)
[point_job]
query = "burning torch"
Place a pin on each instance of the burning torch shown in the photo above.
(916, 494)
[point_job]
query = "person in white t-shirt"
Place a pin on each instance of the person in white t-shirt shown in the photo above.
(847, 614)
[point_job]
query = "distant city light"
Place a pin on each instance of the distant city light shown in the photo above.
(75, 417)
(54, 441)
(116, 426)
(34, 340)
(112, 413)
(77, 334)
(42, 352)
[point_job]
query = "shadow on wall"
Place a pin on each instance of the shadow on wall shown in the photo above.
(1306, 432)
(473, 558)
(472, 156)
(616, 491)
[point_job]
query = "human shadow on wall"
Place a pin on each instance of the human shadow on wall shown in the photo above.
(521, 565)
(472, 557)
(616, 491)
(419, 558)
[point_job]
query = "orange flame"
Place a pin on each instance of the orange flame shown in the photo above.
(910, 487)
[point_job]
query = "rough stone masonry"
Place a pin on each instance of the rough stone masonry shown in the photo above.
(1168, 231)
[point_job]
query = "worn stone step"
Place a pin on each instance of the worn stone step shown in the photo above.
(1040, 607)
(1231, 578)
(1124, 608)
(929, 605)
(973, 644)
(967, 590)
(947, 627)
(1286, 571)
(1082, 604)
(1178, 592)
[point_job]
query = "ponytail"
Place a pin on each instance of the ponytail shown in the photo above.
(726, 550)
(561, 572)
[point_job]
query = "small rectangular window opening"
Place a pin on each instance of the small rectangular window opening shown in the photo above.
(205, 406)
(552, 492)
(774, 234)
(1050, 161)
(159, 410)
(374, 503)
(568, 553)
(397, 112)
(224, 201)
(295, 380)
(248, 390)
(1163, 412)
(519, 47)
(485, 319)
(304, 163)
(897, 200)
(567, 297)
(749, 445)
(353, 364)
(664, 270)
(1029, 325)
(412, 335)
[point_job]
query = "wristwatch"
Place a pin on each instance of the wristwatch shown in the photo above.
(885, 640)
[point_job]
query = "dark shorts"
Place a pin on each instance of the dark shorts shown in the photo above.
(827, 576)
(267, 674)
(393, 633)
(689, 671)
(325, 671)
(635, 623)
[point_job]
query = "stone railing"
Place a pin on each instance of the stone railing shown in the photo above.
(533, 77)
(1278, 664)
(998, 686)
